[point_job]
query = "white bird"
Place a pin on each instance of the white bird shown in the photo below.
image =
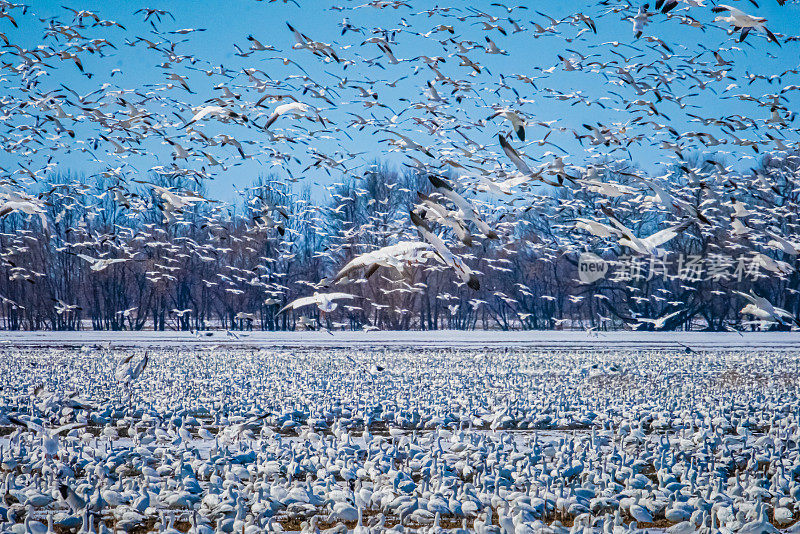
(597, 228)
(129, 371)
(516, 121)
(763, 309)
(177, 201)
(518, 162)
(640, 20)
(505, 187)
(639, 512)
(650, 244)
(214, 111)
(781, 243)
(659, 322)
(49, 435)
(742, 21)
(24, 204)
(397, 256)
(324, 301)
(606, 188)
(100, 264)
(295, 108)
(444, 253)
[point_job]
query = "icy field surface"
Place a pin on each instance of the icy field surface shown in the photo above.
(419, 432)
(428, 339)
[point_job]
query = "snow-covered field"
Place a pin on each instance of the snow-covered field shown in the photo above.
(500, 432)
(439, 338)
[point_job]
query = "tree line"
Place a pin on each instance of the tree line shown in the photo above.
(234, 265)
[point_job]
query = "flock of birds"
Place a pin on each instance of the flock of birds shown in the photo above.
(370, 440)
(489, 122)
(496, 107)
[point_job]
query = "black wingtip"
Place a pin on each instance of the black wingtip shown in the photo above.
(473, 282)
(417, 220)
(771, 37)
(669, 6)
(438, 182)
(16, 421)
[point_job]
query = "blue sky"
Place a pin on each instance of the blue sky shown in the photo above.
(226, 24)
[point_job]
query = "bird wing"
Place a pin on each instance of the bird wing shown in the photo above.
(207, 110)
(624, 230)
(597, 228)
(299, 303)
(398, 251)
(27, 424)
(87, 258)
(139, 368)
(662, 236)
(335, 296)
(444, 253)
(514, 156)
(66, 428)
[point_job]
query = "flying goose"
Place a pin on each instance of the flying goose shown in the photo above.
(395, 256)
(516, 121)
(324, 301)
(742, 21)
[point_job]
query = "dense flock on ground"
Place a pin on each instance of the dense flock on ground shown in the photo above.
(509, 139)
(213, 439)
(398, 165)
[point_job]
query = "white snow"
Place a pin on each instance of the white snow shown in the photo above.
(439, 338)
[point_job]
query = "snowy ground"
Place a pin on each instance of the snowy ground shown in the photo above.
(429, 339)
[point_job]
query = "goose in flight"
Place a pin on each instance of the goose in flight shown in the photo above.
(650, 244)
(606, 188)
(516, 121)
(430, 209)
(523, 167)
(24, 204)
(505, 187)
(129, 370)
(764, 310)
(317, 48)
(444, 253)
(49, 435)
(407, 143)
(214, 111)
(742, 21)
(596, 228)
(515, 158)
(659, 322)
(394, 256)
(647, 245)
(326, 302)
(295, 108)
(466, 211)
(175, 201)
(62, 307)
(783, 244)
(640, 20)
(101, 264)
